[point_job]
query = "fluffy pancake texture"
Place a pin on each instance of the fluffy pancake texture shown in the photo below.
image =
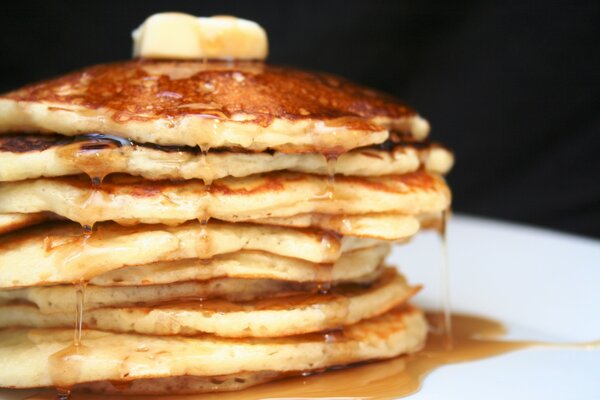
(249, 264)
(33, 358)
(98, 156)
(276, 316)
(214, 104)
(206, 225)
(131, 200)
(60, 298)
(59, 253)
(15, 221)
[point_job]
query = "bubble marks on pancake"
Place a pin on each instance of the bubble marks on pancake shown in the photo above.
(256, 106)
(99, 155)
(282, 315)
(53, 254)
(114, 356)
(130, 200)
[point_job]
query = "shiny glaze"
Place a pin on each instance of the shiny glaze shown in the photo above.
(144, 90)
(26, 142)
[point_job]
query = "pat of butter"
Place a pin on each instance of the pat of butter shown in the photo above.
(183, 36)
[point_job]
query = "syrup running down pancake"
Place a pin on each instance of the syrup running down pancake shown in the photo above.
(99, 155)
(174, 224)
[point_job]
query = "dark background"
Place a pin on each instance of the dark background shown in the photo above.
(512, 87)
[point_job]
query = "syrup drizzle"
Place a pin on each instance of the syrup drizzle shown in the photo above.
(209, 174)
(203, 248)
(446, 308)
(331, 245)
(331, 160)
(330, 241)
(87, 154)
(63, 394)
(79, 303)
(64, 363)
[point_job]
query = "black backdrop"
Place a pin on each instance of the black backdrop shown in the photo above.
(513, 87)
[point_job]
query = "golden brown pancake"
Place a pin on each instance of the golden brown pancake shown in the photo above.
(212, 224)
(61, 298)
(277, 316)
(351, 266)
(100, 155)
(384, 226)
(130, 200)
(35, 357)
(13, 221)
(60, 253)
(211, 104)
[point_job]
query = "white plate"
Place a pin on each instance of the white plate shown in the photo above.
(542, 285)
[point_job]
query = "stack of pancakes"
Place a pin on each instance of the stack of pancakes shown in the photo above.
(212, 225)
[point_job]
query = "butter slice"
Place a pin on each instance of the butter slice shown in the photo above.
(183, 36)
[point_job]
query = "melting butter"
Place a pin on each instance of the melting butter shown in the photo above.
(182, 36)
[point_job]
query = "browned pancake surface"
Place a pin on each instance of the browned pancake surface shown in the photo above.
(142, 90)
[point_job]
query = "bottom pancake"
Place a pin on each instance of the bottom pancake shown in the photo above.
(45, 357)
(185, 384)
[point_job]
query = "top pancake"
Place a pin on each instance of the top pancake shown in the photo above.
(212, 104)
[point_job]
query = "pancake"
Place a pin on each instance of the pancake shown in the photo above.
(385, 226)
(38, 358)
(129, 200)
(61, 298)
(13, 221)
(248, 264)
(206, 223)
(182, 384)
(59, 253)
(249, 105)
(98, 156)
(345, 304)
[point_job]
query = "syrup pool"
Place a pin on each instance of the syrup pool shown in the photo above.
(474, 338)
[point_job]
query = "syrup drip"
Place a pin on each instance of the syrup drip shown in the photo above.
(324, 287)
(92, 202)
(65, 365)
(475, 338)
(324, 274)
(204, 248)
(446, 324)
(331, 163)
(87, 231)
(88, 153)
(63, 394)
(346, 224)
(331, 244)
(209, 173)
(79, 300)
